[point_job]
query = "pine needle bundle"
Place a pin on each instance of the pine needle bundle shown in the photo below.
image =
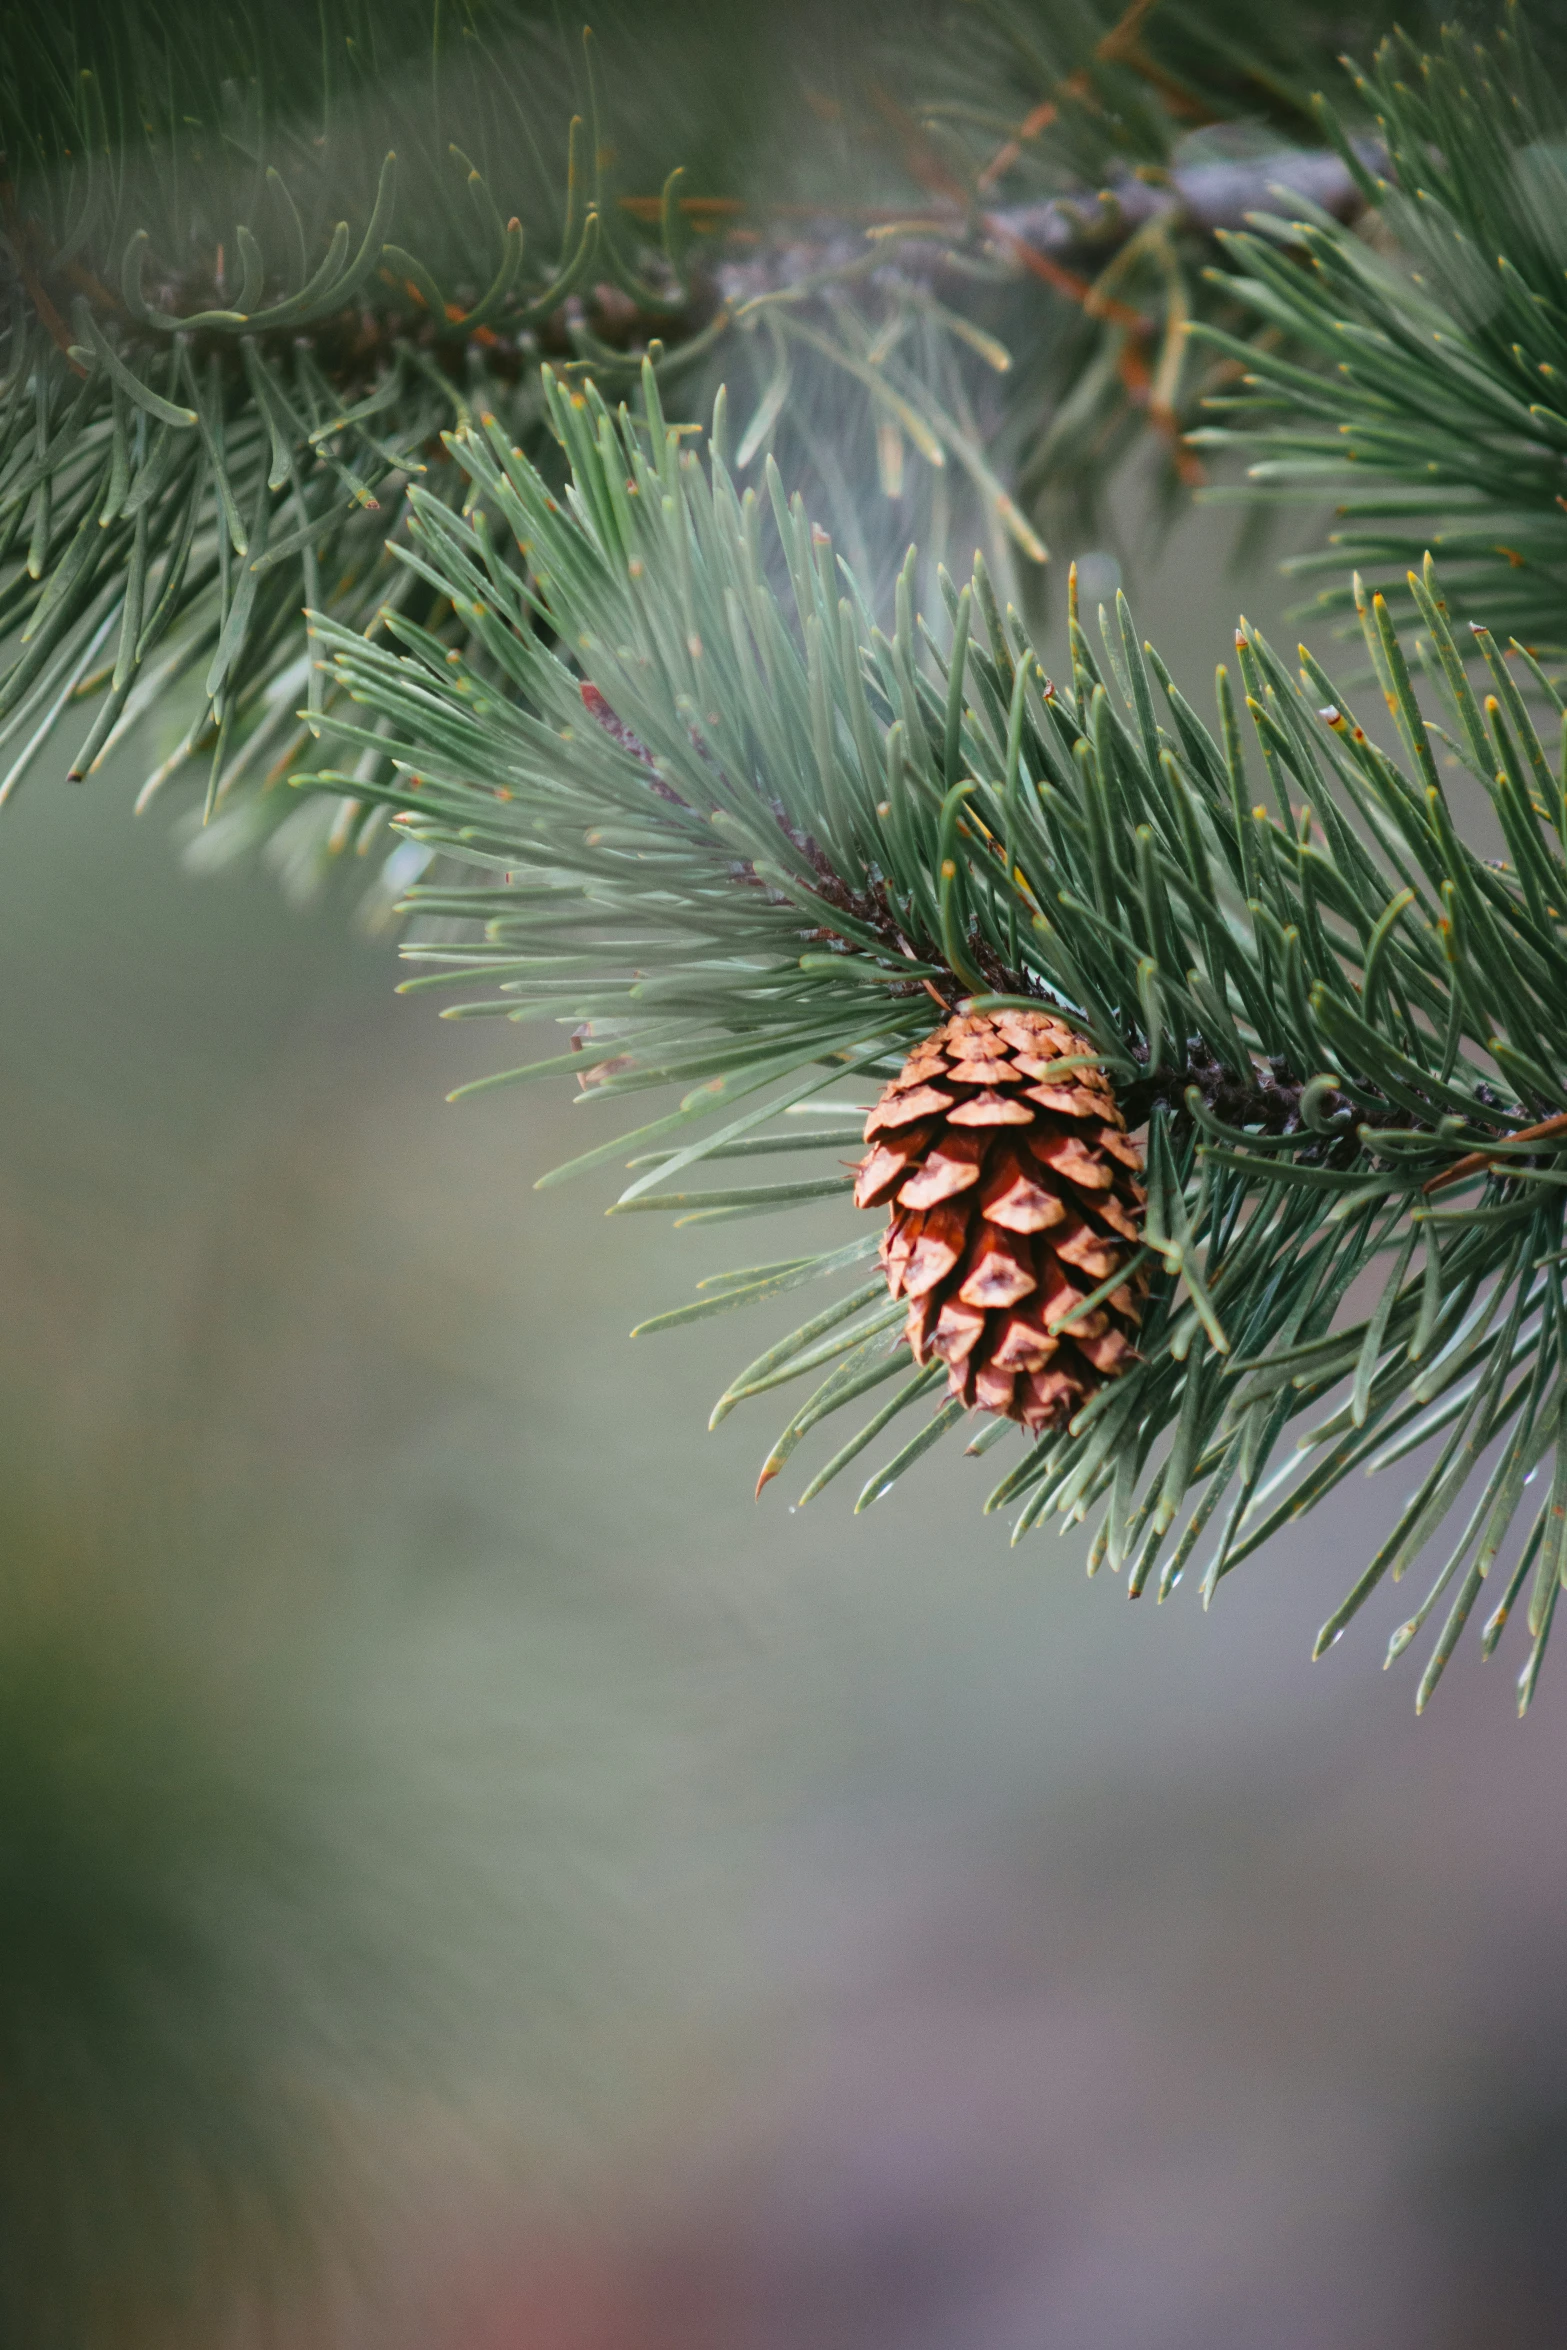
(738, 843)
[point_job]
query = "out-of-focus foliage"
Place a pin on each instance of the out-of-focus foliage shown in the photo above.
(290, 1908)
(1113, 143)
(1419, 377)
(179, 1956)
(258, 259)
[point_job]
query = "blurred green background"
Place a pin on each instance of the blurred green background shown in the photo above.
(469, 1875)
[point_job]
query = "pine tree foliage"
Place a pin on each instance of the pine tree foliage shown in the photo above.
(736, 842)
(259, 259)
(1101, 151)
(223, 365)
(1421, 379)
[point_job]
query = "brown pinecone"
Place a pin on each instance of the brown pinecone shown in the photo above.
(1013, 1196)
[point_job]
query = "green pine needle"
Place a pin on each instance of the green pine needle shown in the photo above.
(1423, 389)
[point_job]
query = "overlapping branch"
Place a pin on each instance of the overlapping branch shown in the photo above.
(215, 392)
(1423, 387)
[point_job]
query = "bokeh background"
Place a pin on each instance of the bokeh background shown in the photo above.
(469, 1876)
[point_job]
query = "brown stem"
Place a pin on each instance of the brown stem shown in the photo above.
(1474, 1162)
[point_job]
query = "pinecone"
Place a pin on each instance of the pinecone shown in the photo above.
(1013, 1196)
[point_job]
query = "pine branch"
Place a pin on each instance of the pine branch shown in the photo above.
(1423, 387)
(738, 837)
(1340, 1026)
(234, 340)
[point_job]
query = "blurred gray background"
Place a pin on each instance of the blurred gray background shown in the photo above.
(681, 1922)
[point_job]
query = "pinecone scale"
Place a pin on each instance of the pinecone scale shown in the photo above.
(1013, 1193)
